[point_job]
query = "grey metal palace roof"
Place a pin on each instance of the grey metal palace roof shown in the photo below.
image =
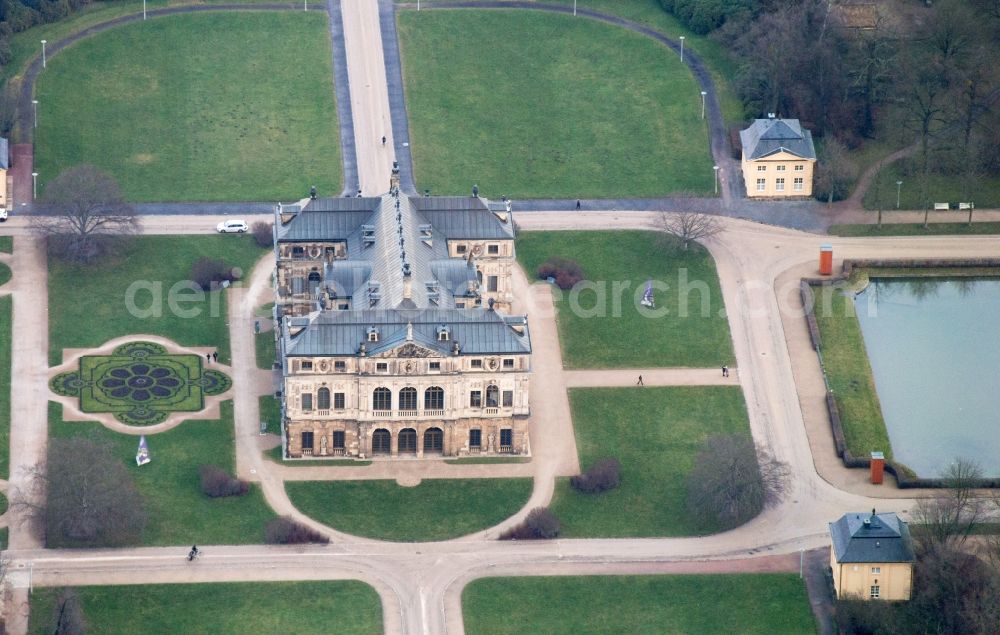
(765, 137)
(398, 273)
(871, 538)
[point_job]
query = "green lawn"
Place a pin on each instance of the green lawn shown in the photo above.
(6, 308)
(940, 188)
(655, 433)
(850, 375)
(199, 107)
(225, 609)
(915, 229)
(485, 460)
(5, 273)
(693, 332)
(7, 244)
(88, 305)
(266, 351)
(437, 509)
(270, 411)
(532, 104)
(749, 604)
(179, 514)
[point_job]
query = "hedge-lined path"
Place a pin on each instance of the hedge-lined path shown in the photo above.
(71, 405)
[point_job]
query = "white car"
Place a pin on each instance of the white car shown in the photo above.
(3, 214)
(232, 227)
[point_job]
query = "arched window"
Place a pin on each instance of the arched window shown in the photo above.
(408, 399)
(323, 398)
(314, 280)
(381, 441)
(492, 397)
(433, 440)
(434, 398)
(382, 399)
(407, 441)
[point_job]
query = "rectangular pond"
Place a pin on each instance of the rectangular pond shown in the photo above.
(934, 348)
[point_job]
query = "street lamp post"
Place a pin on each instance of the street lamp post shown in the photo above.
(43, 53)
(34, 185)
(574, 7)
(716, 169)
(143, 9)
(34, 111)
(682, 48)
(899, 184)
(703, 93)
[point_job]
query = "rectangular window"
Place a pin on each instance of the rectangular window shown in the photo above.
(307, 365)
(475, 438)
(508, 363)
(307, 440)
(460, 249)
(338, 439)
(508, 399)
(874, 593)
(760, 184)
(800, 167)
(477, 363)
(779, 184)
(435, 365)
(460, 305)
(762, 168)
(506, 437)
(493, 249)
(476, 399)
(779, 168)
(307, 401)
(492, 283)
(381, 367)
(343, 307)
(340, 366)
(338, 401)
(877, 570)
(797, 184)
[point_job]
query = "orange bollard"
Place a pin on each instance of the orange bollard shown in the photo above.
(825, 260)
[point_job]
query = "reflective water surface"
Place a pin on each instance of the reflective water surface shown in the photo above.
(934, 348)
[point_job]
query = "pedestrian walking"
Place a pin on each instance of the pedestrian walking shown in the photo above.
(208, 357)
(578, 203)
(383, 139)
(215, 356)
(725, 371)
(639, 383)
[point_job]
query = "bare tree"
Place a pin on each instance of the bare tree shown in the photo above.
(947, 520)
(83, 212)
(688, 226)
(67, 614)
(835, 172)
(85, 497)
(733, 480)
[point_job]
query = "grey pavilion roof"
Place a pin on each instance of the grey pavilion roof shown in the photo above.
(329, 219)
(765, 137)
(883, 538)
(336, 333)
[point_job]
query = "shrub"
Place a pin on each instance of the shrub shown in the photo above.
(566, 272)
(208, 271)
(285, 531)
(263, 233)
(540, 524)
(217, 483)
(601, 477)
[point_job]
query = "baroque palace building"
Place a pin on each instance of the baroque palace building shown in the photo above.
(392, 331)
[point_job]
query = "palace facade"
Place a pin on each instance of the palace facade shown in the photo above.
(392, 328)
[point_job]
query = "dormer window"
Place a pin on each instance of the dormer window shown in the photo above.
(493, 249)
(443, 333)
(372, 334)
(460, 249)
